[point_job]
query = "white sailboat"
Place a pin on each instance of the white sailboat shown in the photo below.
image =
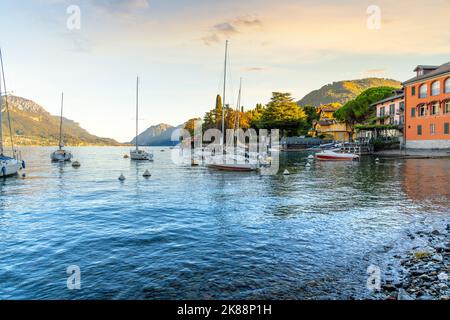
(61, 155)
(9, 166)
(138, 154)
(231, 162)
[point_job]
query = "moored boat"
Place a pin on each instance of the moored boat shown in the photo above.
(61, 155)
(138, 154)
(9, 166)
(332, 155)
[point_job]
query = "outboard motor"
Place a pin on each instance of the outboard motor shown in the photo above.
(4, 171)
(23, 164)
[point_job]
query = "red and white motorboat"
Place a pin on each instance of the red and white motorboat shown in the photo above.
(332, 155)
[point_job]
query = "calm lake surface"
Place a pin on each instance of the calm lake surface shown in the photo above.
(192, 233)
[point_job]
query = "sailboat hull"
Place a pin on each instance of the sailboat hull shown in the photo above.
(233, 167)
(140, 155)
(9, 167)
(61, 156)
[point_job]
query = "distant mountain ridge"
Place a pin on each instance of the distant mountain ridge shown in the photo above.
(33, 125)
(344, 91)
(158, 135)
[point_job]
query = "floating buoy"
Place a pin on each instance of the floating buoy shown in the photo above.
(126, 156)
(286, 172)
(147, 174)
(308, 165)
(194, 163)
(122, 177)
(76, 164)
(377, 159)
(311, 157)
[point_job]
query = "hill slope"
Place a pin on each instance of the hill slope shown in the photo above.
(33, 125)
(159, 135)
(343, 91)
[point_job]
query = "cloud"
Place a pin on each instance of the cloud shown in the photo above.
(228, 29)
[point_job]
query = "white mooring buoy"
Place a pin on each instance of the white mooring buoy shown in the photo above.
(286, 172)
(122, 177)
(311, 157)
(147, 174)
(308, 165)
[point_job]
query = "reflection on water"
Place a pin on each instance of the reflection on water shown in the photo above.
(188, 232)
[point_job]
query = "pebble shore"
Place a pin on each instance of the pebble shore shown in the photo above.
(421, 273)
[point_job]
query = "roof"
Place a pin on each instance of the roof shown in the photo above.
(425, 67)
(445, 68)
(394, 97)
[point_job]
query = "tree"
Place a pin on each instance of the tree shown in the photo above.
(283, 113)
(357, 111)
(311, 115)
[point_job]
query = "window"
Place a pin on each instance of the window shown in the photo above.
(419, 130)
(446, 128)
(402, 106)
(423, 111)
(436, 88)
(413, 112)
(423, 91)
(434, 109)
(432, 128)
(392, 109)
(447, 85)
(382, 111)
(413, 91)
(447, 107)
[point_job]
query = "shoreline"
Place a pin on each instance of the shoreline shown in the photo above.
(422, 270)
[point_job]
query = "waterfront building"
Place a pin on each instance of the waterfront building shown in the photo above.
(328, 127)
(427, 108)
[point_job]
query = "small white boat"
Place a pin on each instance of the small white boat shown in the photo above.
(61, 155)
(137, 154)
(140, 155)
(332, 155)
(9, 166)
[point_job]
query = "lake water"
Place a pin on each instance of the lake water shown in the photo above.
(192, 233)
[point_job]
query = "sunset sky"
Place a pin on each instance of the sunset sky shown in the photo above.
(176, 46)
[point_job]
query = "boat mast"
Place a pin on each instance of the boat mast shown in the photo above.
(224, 91)
(7, 109)
(137, 112)
(61, 122)
(1, 116)
(239, 105)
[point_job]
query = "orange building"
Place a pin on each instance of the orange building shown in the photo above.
(427, 114)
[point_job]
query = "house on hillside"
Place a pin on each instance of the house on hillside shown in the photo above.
(328, 127)
(427, 102)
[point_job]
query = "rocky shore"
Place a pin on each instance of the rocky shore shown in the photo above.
(422, 272)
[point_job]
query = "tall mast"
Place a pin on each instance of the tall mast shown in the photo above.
(7, 108)
(239, 104)
(137, 112)
(224, 91)
(1, 117)
(61, 122)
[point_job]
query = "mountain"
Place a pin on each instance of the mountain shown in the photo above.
(159, 135)
(343, 91)
(33, 125)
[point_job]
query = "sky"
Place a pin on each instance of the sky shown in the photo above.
(177, 49)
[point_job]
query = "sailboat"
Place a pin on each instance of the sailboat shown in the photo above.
(138, 154)
(61, 155)
(231, 162)
(9, 166)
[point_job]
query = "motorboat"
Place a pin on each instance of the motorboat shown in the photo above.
(334, 155)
